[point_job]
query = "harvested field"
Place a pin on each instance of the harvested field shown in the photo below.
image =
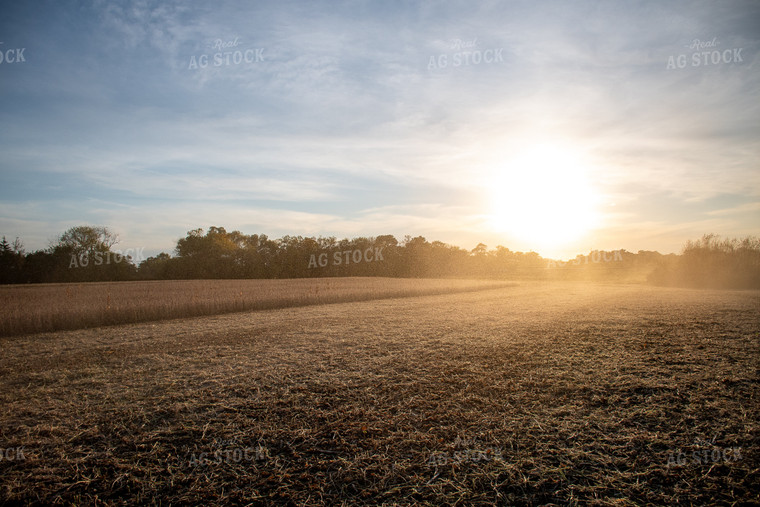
(55, 307)
(532, 394)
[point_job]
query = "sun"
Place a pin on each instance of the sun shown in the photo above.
(543, 196)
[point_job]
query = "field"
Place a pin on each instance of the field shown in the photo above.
(522, 394)
(54, 307)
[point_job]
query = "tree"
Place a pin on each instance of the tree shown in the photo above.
(417, 258)
(217, 254)
(83, 254)
(86, 240)
(156, 268)
(11, 261)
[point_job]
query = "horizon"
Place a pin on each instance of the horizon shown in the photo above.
(553, 128)
(489, 248)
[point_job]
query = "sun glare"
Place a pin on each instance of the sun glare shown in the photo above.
(543, 197)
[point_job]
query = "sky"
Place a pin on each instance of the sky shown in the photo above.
(558, 127)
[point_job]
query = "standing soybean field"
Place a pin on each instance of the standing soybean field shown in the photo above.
(60, 306)
(530, 394)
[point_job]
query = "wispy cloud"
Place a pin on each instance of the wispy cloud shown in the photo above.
(344, 127)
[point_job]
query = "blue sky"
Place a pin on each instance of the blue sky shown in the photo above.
(571, 134)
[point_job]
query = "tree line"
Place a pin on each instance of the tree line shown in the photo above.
(729, 263)
(87, 254)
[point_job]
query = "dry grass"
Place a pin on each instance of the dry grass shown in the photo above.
(534, 394)
(55, 307)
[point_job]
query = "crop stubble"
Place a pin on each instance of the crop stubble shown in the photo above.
(530, 394)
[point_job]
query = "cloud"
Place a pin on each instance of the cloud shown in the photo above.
(343, 127)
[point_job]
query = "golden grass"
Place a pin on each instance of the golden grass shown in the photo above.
(54, 307)
(582, 394)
